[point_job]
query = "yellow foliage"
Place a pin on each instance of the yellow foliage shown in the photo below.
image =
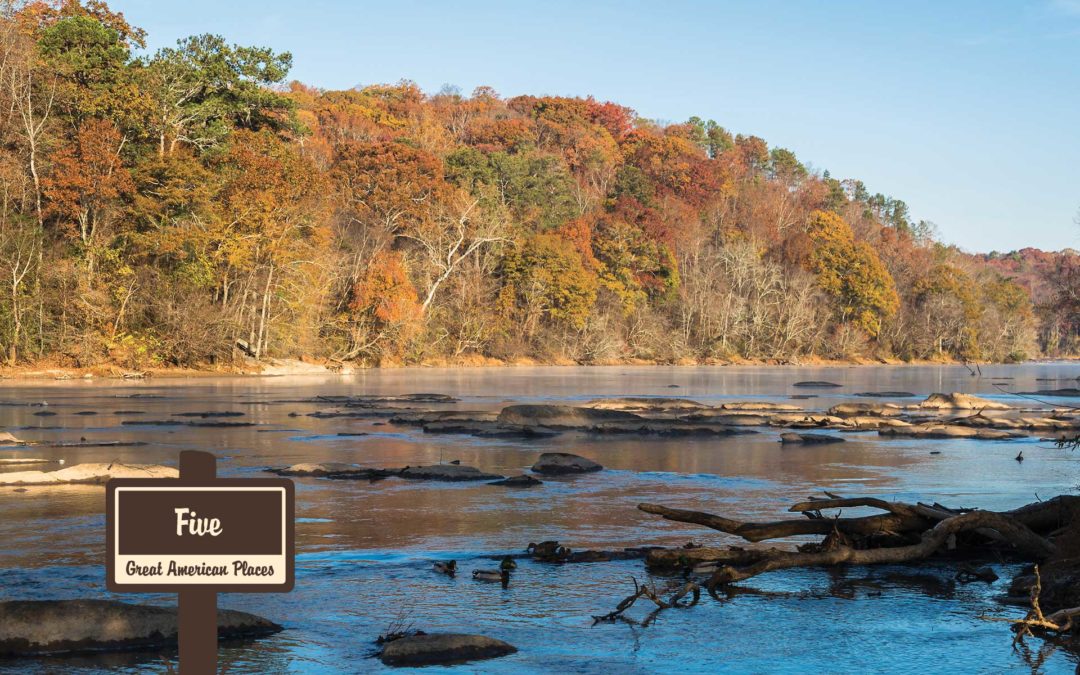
(851, 272)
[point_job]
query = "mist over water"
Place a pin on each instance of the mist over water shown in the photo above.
(364, 550)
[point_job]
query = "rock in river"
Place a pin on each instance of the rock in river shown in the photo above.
(443, 649)
(340, 471)
(760, 406)
(809, 439)
(956, 400)
(447, 472)
(817, 384)
(518, 481)
(644, 403)
(561, 416)
(874, 409)
(313, 469)
(564, 462)
(8, 439)
(948, 431)
(88, 473)
(33, 627)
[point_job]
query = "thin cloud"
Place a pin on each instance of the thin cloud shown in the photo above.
(1071, 7)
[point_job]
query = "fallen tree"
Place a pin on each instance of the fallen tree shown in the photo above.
(905, 533)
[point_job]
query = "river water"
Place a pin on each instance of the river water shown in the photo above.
(364, 550)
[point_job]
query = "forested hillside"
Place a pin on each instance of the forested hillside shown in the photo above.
(192, 206)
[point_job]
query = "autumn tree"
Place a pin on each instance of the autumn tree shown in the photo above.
(545, 279)
(385, 309)
(851, 273)
(269, 227)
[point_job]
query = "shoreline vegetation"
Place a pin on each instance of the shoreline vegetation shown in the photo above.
(193, 205)
(307, 366)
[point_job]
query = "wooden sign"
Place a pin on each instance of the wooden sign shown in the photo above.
(197, 536)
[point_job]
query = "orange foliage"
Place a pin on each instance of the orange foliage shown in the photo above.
(386, 293)
(87, 177)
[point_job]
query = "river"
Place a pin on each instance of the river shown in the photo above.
(364, 550)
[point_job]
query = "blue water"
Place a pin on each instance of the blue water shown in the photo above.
(364, 549)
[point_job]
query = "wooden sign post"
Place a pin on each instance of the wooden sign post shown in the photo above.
(197, 536)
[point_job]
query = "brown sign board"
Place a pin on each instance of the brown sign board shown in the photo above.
(221, 535)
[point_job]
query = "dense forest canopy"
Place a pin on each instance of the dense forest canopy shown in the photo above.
(193, 206)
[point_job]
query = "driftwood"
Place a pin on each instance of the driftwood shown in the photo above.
(677, 559)
(1026, 541)
(1060, 621)
(905, 533)
(675, 600)
(870, 525)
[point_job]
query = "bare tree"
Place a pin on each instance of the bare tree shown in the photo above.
(459, 229)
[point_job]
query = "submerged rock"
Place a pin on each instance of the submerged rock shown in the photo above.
(442, 649)
(790, 438)
(488, 430)
(88, 473)
(35, 627)
(561, 416)
(423, 417)
(554, 463)
(1066, 392)
(957, 400)
(174, 423)
(447, 472)
(885, 394)
(518, 481)
(817, 384)
(365, 400)
(210, 413)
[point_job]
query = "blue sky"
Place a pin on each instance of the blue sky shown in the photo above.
(968, 111)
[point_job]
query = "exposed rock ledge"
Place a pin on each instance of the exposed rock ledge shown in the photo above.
(956, 400)
(38, 627)
(340, 471)
(88, 474)
(554, 463)
(561, 416)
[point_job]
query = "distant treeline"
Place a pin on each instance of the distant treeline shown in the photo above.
(163, 209)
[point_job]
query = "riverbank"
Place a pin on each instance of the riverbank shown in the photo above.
(312, 366)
